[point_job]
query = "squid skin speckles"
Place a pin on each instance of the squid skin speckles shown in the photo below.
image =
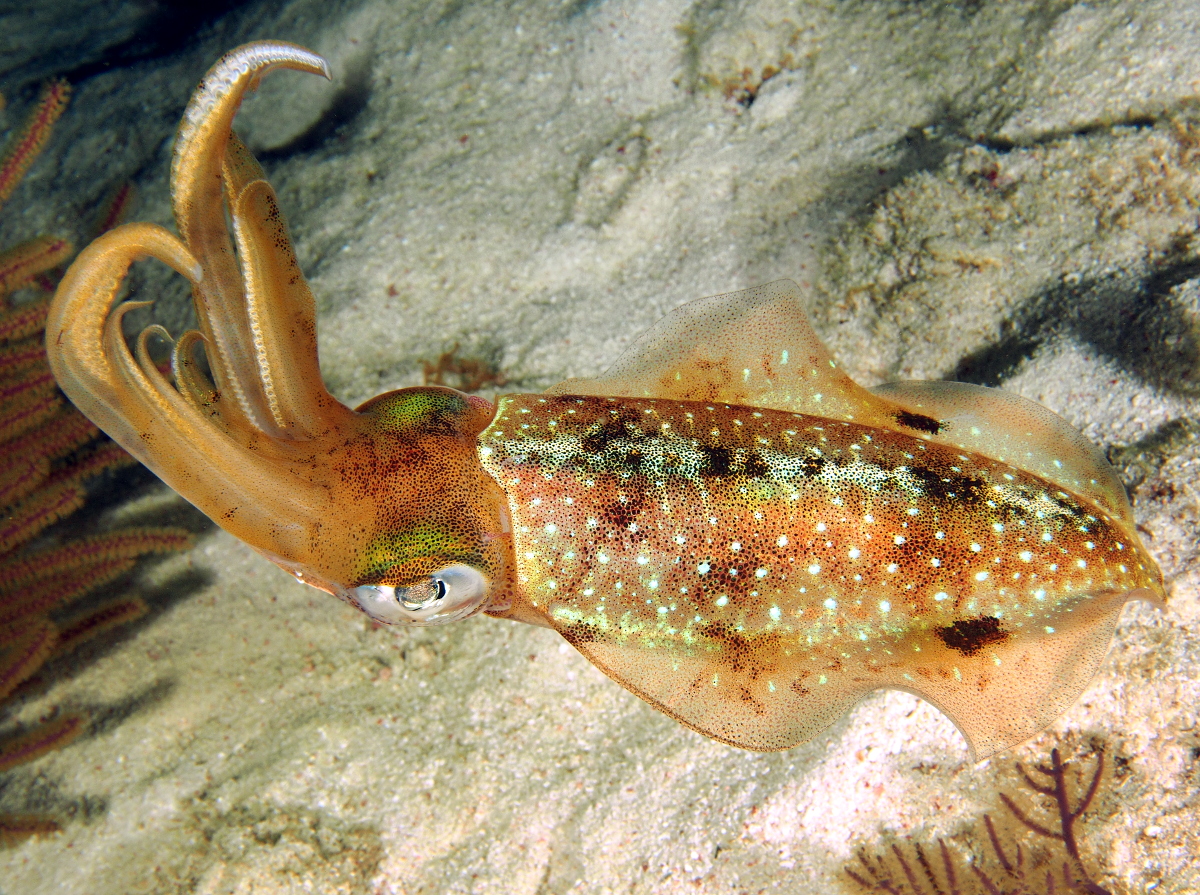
(693, 535)
(723, 522)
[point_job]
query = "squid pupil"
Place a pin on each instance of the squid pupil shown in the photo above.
(441, 588)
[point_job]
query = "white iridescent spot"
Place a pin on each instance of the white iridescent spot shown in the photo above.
(820, 526)
(1026, 556)
(652, 584)
(814, 569)
(981, 576)
(783, 541)
(703, 568)
(680, 539)
(721, 600)
(975, 548)
(893, 568)
(588, 591)
(775, 613)
(912, 511)
(1089, 545)
(602, 557)
(662, 610)
(643, 560)
(831, 603)
(551, 528)
(536, 502)
(884, 606)
(996, 526)
(941, 535)
(855, 553)
(1082, 563)
(1049, 630)
(935, 562)
(899, 539)
(868, 518)
(760, 573)
(941, 595)
(1046, 536)
(735, 546)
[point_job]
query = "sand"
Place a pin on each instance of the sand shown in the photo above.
(1005, 193)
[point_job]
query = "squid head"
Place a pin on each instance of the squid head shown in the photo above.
(386, 506)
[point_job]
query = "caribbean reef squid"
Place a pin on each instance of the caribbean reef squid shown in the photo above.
(723, 522)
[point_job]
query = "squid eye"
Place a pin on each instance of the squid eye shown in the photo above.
(423, 595)
(447, 595)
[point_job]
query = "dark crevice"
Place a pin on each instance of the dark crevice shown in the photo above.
(168, 28)
(1140, 461)
(1124, 319)
(1046, 138)
(859, 190)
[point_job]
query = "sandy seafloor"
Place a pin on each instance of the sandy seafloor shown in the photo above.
(1005, 193)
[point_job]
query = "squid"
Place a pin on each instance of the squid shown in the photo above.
(723, 522)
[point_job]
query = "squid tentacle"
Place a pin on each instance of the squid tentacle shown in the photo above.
(129, 398)
(279, 305)
(196, 190)
(263, 448)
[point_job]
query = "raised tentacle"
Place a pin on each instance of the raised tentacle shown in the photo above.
(150, 419)
(190, 381)
(197, 193)
(279, 305)
(371, 505)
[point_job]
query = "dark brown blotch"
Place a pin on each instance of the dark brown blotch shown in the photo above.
(718, 461)
(621, 513)
(752, 656)
(949, 487)
(919, 422)
(755, 466)
(578, 632)
(971, 635)
(812, 466)
(620, 426)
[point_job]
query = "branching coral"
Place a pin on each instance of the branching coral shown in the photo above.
(1009, 869)
(48, 452)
